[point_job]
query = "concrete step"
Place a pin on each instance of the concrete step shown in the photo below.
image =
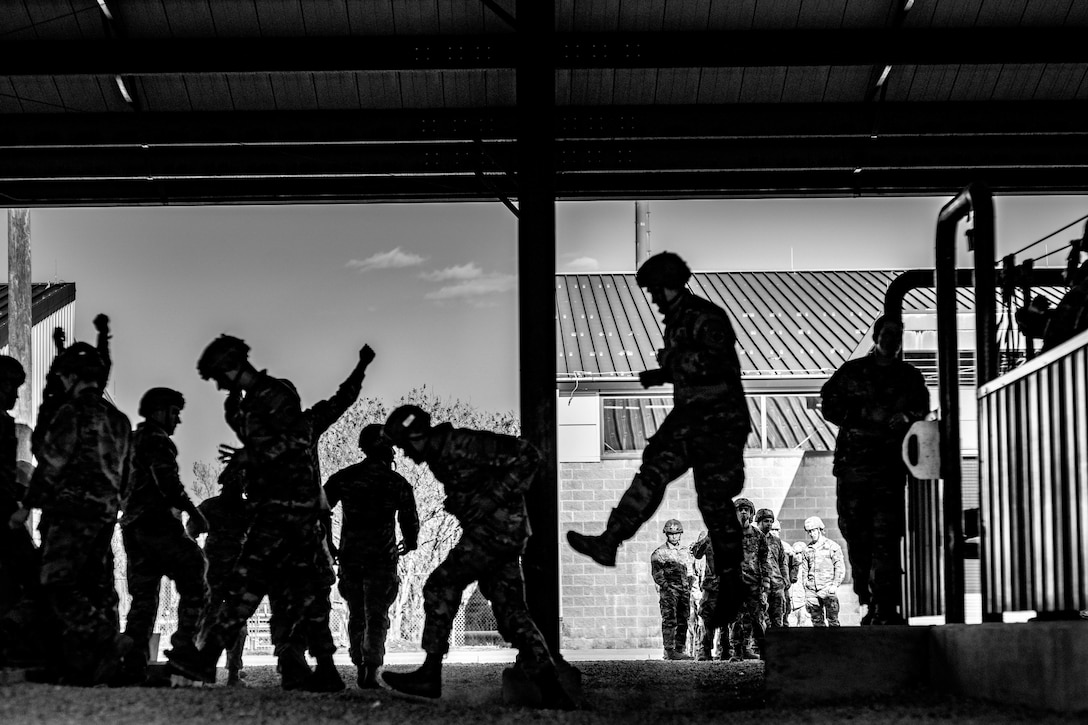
(1042, 664)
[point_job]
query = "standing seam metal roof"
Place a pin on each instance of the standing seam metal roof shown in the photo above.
(786, 323)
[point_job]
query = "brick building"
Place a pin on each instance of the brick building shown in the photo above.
(794, 329)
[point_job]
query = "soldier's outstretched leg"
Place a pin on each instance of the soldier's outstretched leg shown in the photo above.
(663, 460)
(442, 593)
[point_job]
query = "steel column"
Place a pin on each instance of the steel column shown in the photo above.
(536, 301)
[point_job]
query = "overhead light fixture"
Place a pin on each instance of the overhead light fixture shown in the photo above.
(105, 9)
(907, 5)
(121, 87)
(883, 76)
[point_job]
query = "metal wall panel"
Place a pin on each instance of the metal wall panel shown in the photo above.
(1035, 484)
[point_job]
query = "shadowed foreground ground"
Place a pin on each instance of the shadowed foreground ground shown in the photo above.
(618, 691)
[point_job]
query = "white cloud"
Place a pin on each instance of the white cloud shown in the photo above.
(393, 259)
(458, 272)
(583, 264)
(469, 289)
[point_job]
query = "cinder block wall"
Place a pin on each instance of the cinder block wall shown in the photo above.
(605, 608)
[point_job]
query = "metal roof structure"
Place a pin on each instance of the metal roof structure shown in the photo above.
(788, 324)
(45, 300)
(126, 102)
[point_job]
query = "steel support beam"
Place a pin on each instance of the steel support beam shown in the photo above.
(612, 50)
(536, 304)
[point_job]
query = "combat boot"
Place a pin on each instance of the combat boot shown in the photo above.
(559, 690)
(193, 663)
(704, 655)
(110, 657)
(295, 674)
(424, 682)
(368, 677)
(736, 653)
(602, 548)
(751, 654)
(677, 654)
(324, 678)
(235, 678)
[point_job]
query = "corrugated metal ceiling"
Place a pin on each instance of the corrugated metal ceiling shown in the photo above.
(654, 98)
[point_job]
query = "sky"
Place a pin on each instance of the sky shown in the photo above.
(432, 288)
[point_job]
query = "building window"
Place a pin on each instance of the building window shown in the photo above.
(778, 422)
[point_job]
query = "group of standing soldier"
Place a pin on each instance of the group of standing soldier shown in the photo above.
(269, 530)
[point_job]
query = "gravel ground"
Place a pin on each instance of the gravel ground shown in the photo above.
(631, 692)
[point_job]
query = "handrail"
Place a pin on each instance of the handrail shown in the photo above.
(974, 199)
(1038, 362)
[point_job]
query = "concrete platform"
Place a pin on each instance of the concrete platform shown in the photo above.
(838, 664)
(1042, 664)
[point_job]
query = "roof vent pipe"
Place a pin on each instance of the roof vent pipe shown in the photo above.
(642, 232)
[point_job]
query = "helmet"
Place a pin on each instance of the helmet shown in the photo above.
(222, 353)
(673, 526)
(814, 522)
(764, 514)
(407, 421)
(663, 270)
(372, 440)
(11, 369)
(799, 547)
(742, 503)
(82, 359)
(160, 398)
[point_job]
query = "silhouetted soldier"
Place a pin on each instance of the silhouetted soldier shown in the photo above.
(81, 479)
(671, 566)
(317, 635)
(19, 560)
(486, 476)
(778, 571)
(747, 628)
(710, 585)
(155, 540)
(874, 400)
(283, 539)
(373, 498)
(53, 393)
(705, 431)
(225, 519)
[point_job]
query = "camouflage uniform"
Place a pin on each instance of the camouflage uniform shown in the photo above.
(18, 555)
(317, 635)
(705, 432)
(284, 537)
(156, 543)
(778, 567)
(710, 587)
(822, 571)
(81, 479)
(672, 569)
(227, 523)
(861, 398)
(755, 576)
(486, 476)
(20, 585)
(371, 494)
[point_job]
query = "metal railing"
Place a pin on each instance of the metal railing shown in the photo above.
(1033, 425)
